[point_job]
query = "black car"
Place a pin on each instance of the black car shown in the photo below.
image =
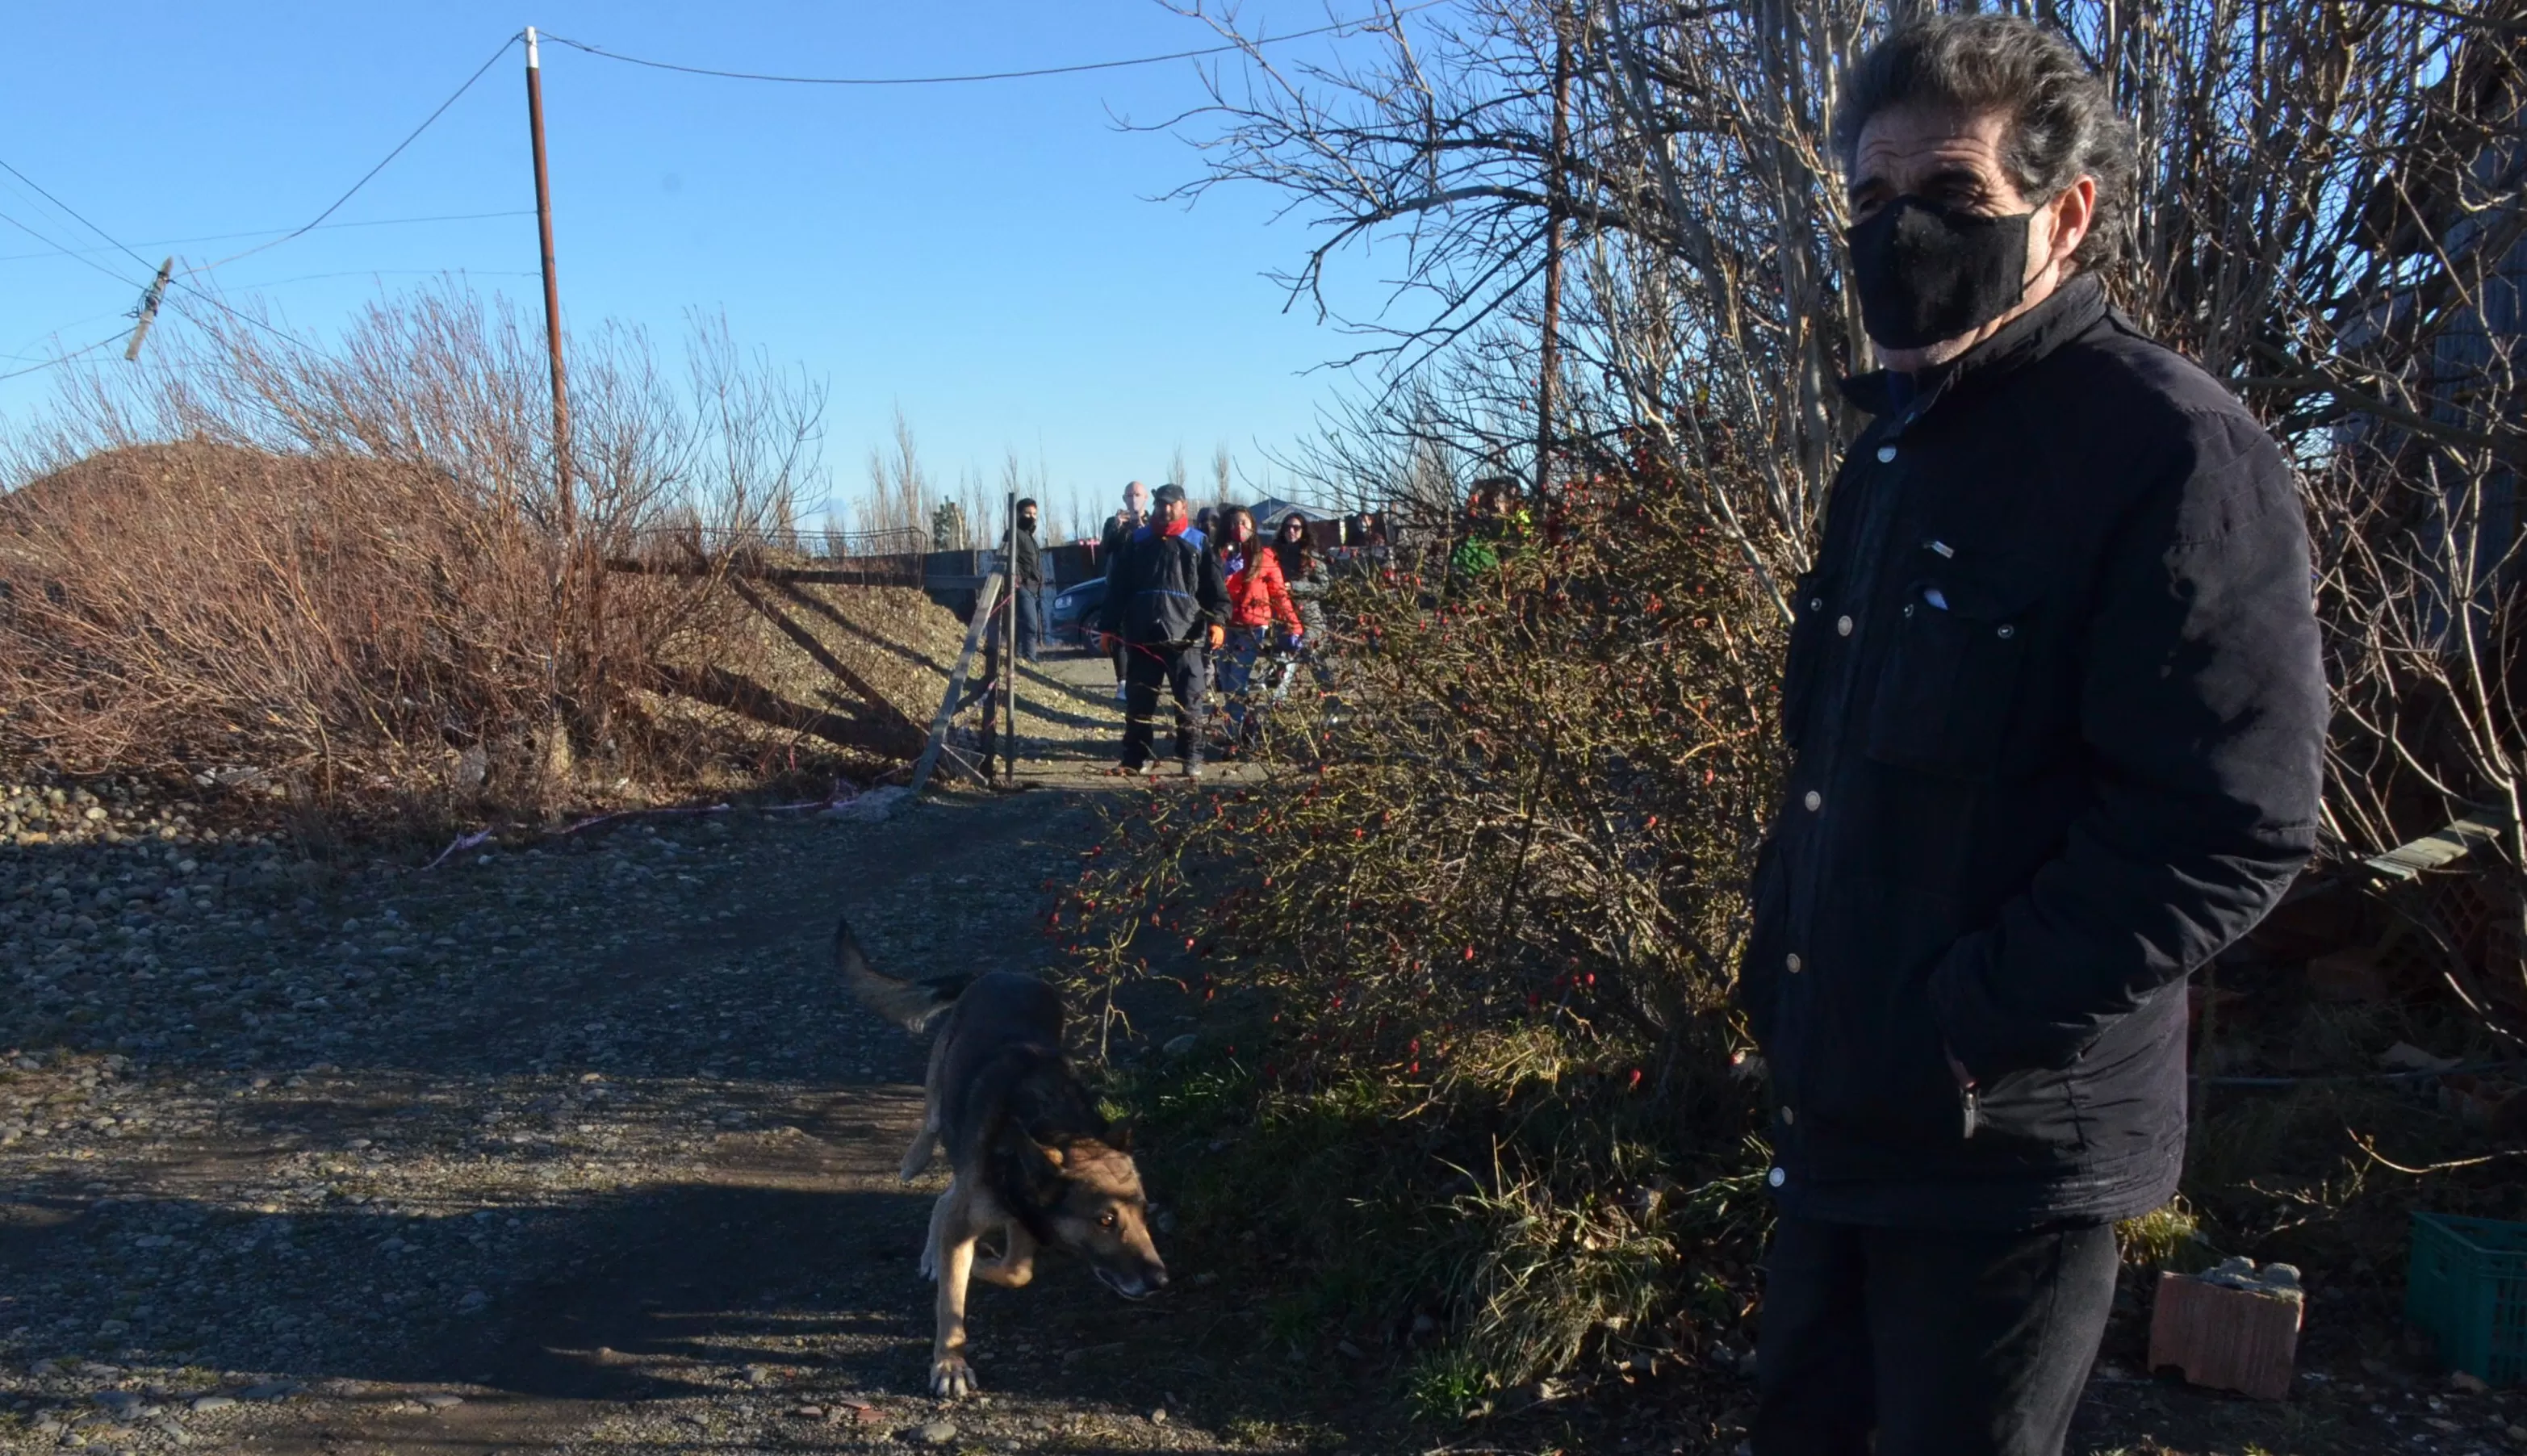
(1070, 619)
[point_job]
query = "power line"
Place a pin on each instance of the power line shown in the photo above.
(212, 298)
(942, 81)
(304, 278)
(74, 216)
(448, 216)
(334, 206)
(17, 354)
(72, 254)
(365, 177)
(117, 337)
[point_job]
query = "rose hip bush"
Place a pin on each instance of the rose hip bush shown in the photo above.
(1468, 944)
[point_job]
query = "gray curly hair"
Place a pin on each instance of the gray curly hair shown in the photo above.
(2062, 122)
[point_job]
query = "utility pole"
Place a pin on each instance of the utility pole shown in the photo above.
(565, 494)
(1009, 733)
(149, 312)
(1556, 205)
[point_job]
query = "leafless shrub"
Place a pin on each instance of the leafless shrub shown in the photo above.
(348, 568)
(2328, 214)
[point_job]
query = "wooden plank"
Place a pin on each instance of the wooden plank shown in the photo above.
(2441, 847)
(825, 658)
(982, 623)
(2224, 1338)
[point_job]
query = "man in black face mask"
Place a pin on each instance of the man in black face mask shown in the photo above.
(2055, 698)
(1027, 572)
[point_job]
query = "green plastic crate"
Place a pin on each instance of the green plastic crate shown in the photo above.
(2467, 1287)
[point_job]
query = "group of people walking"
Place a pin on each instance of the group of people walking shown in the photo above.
(1192, 609)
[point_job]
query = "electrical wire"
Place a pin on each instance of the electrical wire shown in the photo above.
(365, 177)
(184, 280)
(306, 277)
(445, 217)
(18, 353)
(74, 255)
(942, 81)
(74, 215)
(215, 300)
(117, 337)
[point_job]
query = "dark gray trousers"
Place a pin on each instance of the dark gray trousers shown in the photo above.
(1184, 672)
(1943, 1343)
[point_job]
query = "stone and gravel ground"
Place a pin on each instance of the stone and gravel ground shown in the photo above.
(571, 1144)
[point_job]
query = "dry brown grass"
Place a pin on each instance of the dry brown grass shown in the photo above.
(349, 570)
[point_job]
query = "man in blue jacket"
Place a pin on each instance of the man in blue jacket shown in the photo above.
(1168, 607)
(2057, 707)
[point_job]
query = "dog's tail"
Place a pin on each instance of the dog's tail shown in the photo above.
(911, 1004)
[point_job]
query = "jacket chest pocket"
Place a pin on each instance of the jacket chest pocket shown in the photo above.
(1950, 681)
(1811, 609)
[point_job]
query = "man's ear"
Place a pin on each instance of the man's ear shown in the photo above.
(2074, 212)
(1051, 1153)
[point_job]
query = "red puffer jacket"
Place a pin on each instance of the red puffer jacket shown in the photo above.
(1257, 596)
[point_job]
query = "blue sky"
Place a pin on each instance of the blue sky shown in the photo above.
(983, 256)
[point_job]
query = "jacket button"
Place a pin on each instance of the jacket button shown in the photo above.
(1886, 454)
(1842, 627)
(2007, 632)
(1815, 800)
(1793, 962)
(1908, 609)
(1777, 1177)
(1788, 1118)
(1815, 603)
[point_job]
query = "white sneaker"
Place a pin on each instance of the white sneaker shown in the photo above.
(1118, 692)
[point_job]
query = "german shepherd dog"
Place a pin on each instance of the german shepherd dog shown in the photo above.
(1031, 1157)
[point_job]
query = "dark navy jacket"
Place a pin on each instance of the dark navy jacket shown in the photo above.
(2058, 718)
(1163, 591)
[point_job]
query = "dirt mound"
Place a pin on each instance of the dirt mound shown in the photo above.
(895, 638)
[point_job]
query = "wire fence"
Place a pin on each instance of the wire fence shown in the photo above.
(715, 541)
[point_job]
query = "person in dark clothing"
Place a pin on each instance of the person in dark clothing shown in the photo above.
(1166, 606)
(1027, 572)
(1118, 530)
(1303, 572)
(2055, 698)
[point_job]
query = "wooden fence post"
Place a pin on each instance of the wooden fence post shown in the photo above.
(984, 601)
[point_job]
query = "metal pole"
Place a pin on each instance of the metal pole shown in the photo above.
(565, 494)
(1555, 206)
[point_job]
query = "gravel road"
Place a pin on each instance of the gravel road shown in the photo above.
(570, 1147)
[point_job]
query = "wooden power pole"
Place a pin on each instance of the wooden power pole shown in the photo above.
(565, 494)
(1554, 208)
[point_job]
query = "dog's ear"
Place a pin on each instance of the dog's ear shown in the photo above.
(1119, 1137)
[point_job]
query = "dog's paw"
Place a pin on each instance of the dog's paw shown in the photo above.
(952, 1378)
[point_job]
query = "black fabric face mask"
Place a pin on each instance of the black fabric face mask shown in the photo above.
(1926, 273)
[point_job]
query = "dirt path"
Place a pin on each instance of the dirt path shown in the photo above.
(562, 1148)
(578, 1148)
